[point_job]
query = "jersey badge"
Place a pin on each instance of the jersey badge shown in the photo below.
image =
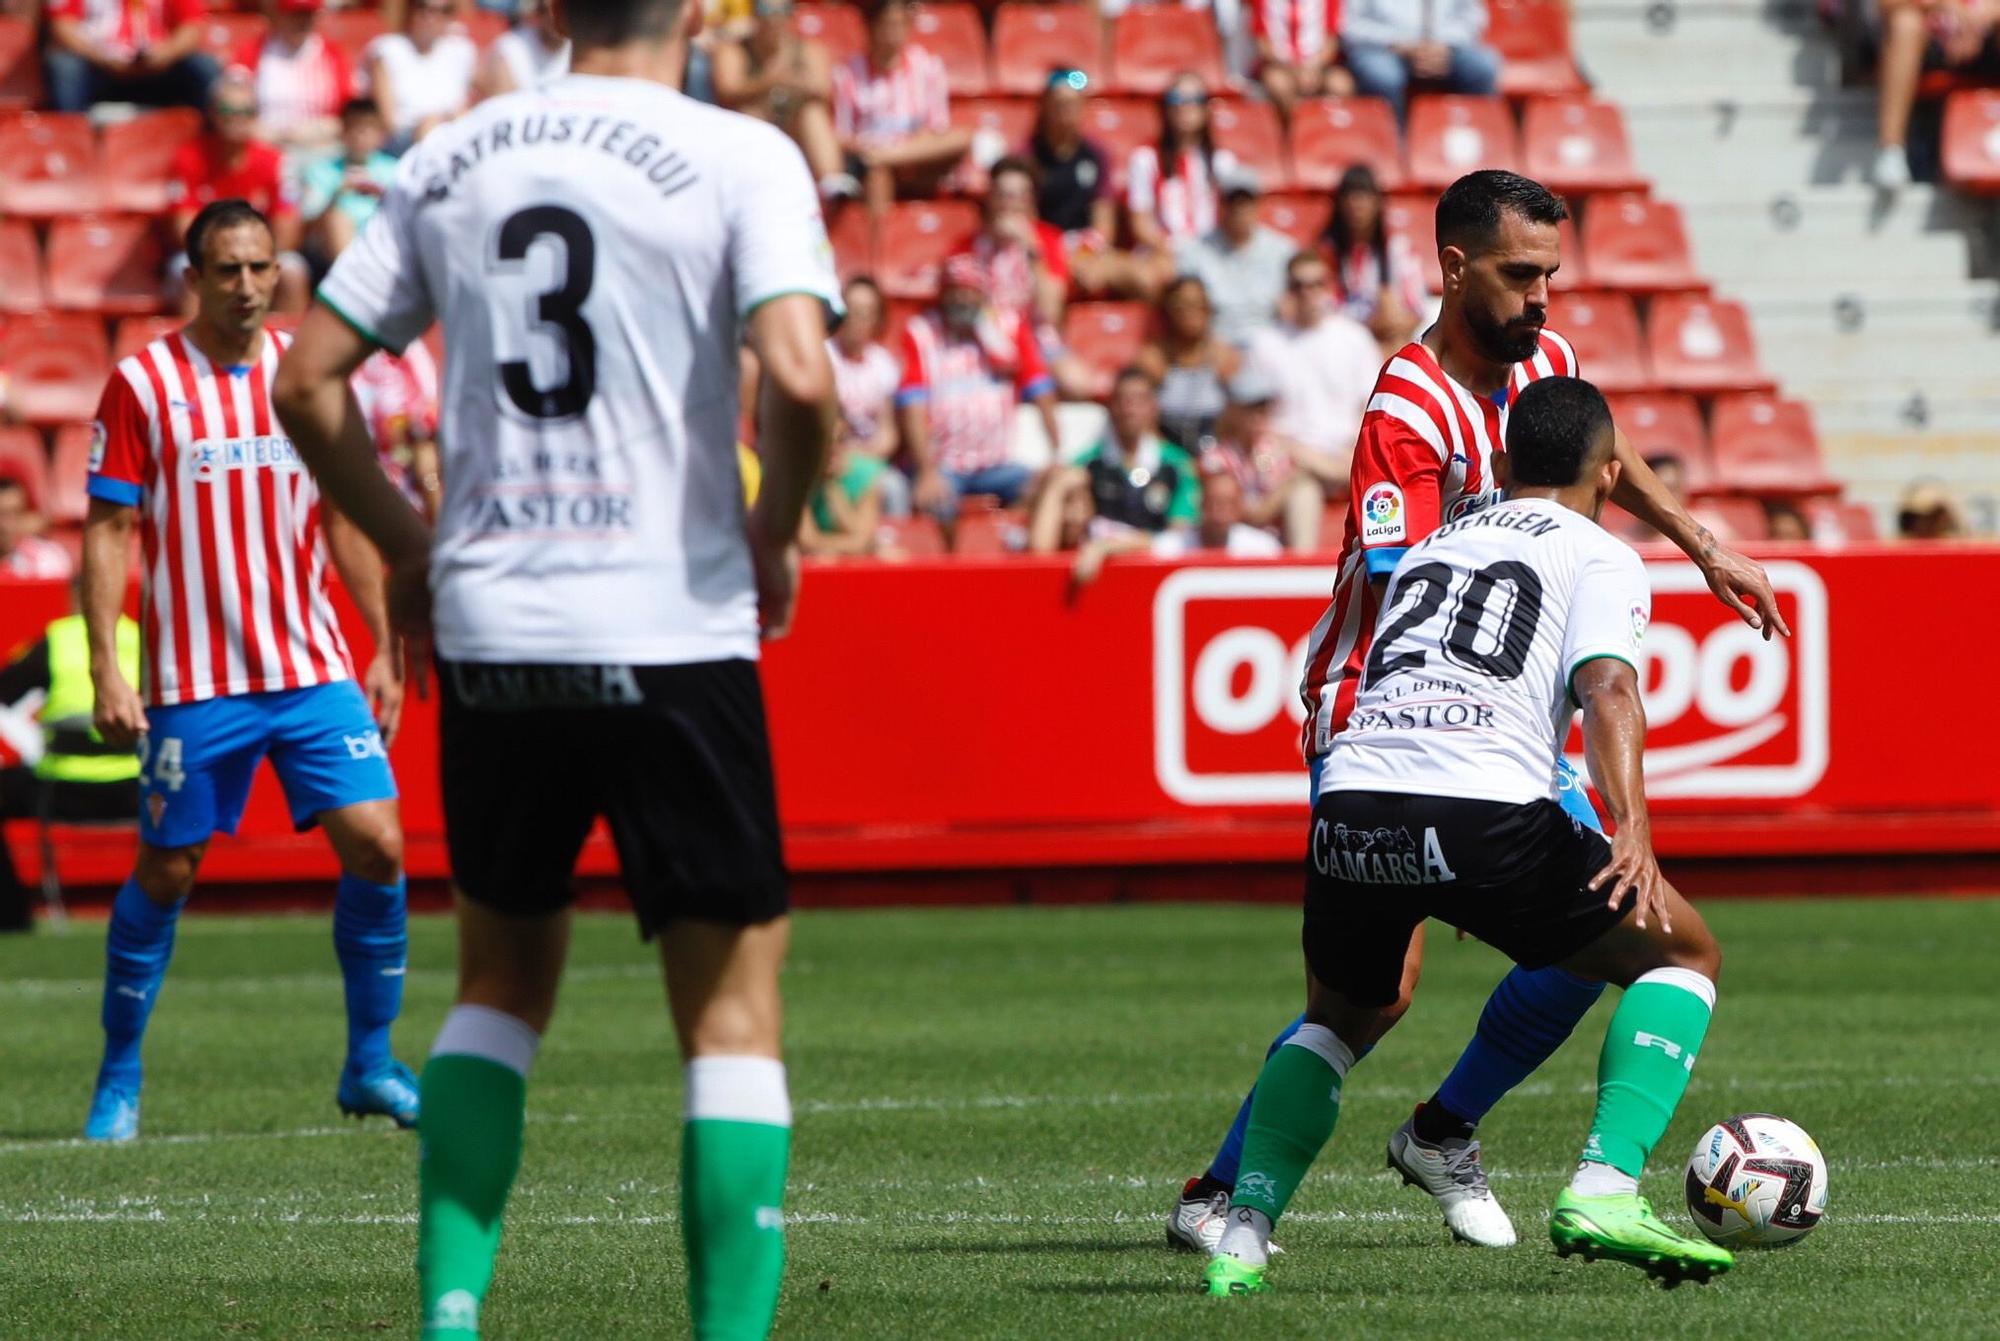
(100, 440)
(1383, 519)
(1639, 621)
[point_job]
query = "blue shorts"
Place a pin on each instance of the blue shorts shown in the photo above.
(1572, 794)
(197, 761)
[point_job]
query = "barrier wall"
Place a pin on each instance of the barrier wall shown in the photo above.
(981, 715)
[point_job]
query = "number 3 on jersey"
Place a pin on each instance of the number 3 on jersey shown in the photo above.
(1490, 630)
(550, 314)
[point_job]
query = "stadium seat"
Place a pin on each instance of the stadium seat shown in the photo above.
(1766, 445)
(1574, 273)
(1329, 135)
(20, 65)
(1251, 131)
(352, 30)
(1666, 424)
(914, 537)
(1120, 125)
(48, 164)
(1835, 524)
(1415, 218)
(69, 476)
(224, 33)
(1703, 345)
(1733, 520)
(1578, 145)
(951, 31)
(482, 25)
(1638, 243)
(1299, 215)
(21, 288)
(1153, 45)
(1604, 327)
(981, 529)
(913, 241)
(999, 126)
(1030, 39)
(837, 27)
(105, 265)
(1533, 37)
(1451, 135)
(900, 312)
(853, 238)
(55, 368)
(136, 157)
(1972, 140)
(135, 333)
(1106, 337)
(23, 458)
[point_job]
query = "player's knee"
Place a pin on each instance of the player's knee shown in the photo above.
(733, 1025)
(166, 874)
(378, 859)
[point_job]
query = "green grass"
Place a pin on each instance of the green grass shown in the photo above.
(995, 1108)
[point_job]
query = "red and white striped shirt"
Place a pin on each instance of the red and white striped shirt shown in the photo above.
(877, 106)
(1185, 200)
(1297, 30)
(127, 27)
(1425, 457)
(235, 563)
(296, 85)
(971, 386)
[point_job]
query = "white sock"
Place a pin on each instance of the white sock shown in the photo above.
(1601, 1180)
(1248, 1238)
(481, 1031)
(738, 1089)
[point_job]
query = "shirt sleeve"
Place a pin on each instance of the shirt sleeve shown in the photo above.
(284, 190)
(1393, 489)
(1142, 181)
(1610, 610)
(120, 443)
(66, 9)
(1031, 370)
(843, 101)
(185, 175)
(937, 102)
(1055, 256)
(378, 286)
(915, 388)
(777, 235)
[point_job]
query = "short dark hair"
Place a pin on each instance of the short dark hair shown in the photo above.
(1555, 431)
(612, 23)
(864, 282)
(358, 107)
(1303, 256)
(1015, 163)
(1468, 213)
(10, 484)
(229, 213)
(1132, 372)
(872, 10)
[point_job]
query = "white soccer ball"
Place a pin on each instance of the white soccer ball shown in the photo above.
(1756, 1181)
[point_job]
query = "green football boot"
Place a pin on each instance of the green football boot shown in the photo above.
(1228, 1276)
(1623, 1228)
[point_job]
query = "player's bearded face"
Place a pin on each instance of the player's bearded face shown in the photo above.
(1507, 290)
(1503, 338)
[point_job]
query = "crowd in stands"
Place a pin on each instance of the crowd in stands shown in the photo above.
(1211, 219)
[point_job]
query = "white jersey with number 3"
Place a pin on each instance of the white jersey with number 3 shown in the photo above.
(593, 247)
(1467, 687)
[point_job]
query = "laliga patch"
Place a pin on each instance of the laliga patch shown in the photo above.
(1383, 515)
(99, 441)
(1639, 621)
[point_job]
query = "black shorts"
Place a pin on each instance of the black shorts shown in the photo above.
(675, 758)
(1382, 862)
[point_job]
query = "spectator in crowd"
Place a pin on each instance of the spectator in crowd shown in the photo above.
(422, 76)
(343, 192)
(1928, 512)
(966, 364)
(526, 54)
(843, 515)
(1322, 365)
(892, 111)
(1190, 364)
(865, 378)
(1783, 521)
(1391, 44)
(1298, 51)
(1275, 493)
(24, 551)
(227, 161)
(301, 80)
(1673, 474)
(1224, 527)
(1125, 490)
(1170, 188)
(1029, 266)
(778, 76)
(1241, 262)
(143, 51)
(1957, 35)
(1377, 279)
(1074, 195)
(398, 398)
(722, 22)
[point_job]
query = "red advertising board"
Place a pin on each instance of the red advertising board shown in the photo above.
(965, 715)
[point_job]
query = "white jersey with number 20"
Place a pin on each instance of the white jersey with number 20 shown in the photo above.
(1467, 688)
(593, 246)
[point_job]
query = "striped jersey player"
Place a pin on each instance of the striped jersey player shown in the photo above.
(243, 659)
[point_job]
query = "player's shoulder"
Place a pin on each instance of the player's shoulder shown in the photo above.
(1594, 544)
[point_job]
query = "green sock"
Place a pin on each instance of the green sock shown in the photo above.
(735, 1145)
(1643, 1069)
(475, 1094)
(1291, 1118)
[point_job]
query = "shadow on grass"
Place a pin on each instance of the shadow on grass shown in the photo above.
(1009, 1246)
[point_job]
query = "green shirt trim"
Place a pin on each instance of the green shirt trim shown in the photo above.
(1595, 656)
(353, 325)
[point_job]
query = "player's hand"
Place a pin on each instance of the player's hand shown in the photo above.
(409, 599)
(1741, 584)
(118, 714)
(383, 683)
(777, 586)
(1634, 869)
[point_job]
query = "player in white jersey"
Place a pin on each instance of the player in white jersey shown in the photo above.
(1440, 801)
(597, 247)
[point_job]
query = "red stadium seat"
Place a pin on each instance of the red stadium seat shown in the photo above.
(1665, 424)
(901, 312)
(1106, 337)
(1030, 39)
(916, 537)
(135, 333)
(1636, 242)
(1330, 135)
(951, 31)
(1835, 524)
(1415, 218)
(1733, 520)
(980, 531)
(1120, 125)
(1972, 140)
(1300, 216)
(1452, 135)
(69, 475)
(914, 240)
(1251, 131)
(1604, 327)
(224, 34)
(1575, 145)
(21, 288)
(853, 238)
(1766, 445)
(55, 367)
(482, 25)
(1153, 44)
(999, 126)
(1574, 272)
(837, 27)
(48, 164)
(105, 265)
(20, 65)
(1533, 37)
(1703, 344)
(23, 458)
(137, 156)
(352, 30)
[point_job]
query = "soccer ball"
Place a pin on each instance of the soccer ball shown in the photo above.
(1756, 1181)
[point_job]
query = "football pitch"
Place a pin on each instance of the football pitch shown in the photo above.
(995, 1108)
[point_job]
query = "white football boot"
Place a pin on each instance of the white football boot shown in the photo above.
(1197, 1222)
(1452, 1173)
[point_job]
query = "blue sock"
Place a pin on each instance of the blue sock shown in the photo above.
(1526, 1019)
(371, 936)
(136, 950)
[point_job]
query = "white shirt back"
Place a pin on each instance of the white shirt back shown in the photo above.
(1467, 686)
(593, 246)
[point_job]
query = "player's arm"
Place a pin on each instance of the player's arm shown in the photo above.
(796, 417)
(1396, 483)
(1614, 745)
(119, 715)
(361, 572)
